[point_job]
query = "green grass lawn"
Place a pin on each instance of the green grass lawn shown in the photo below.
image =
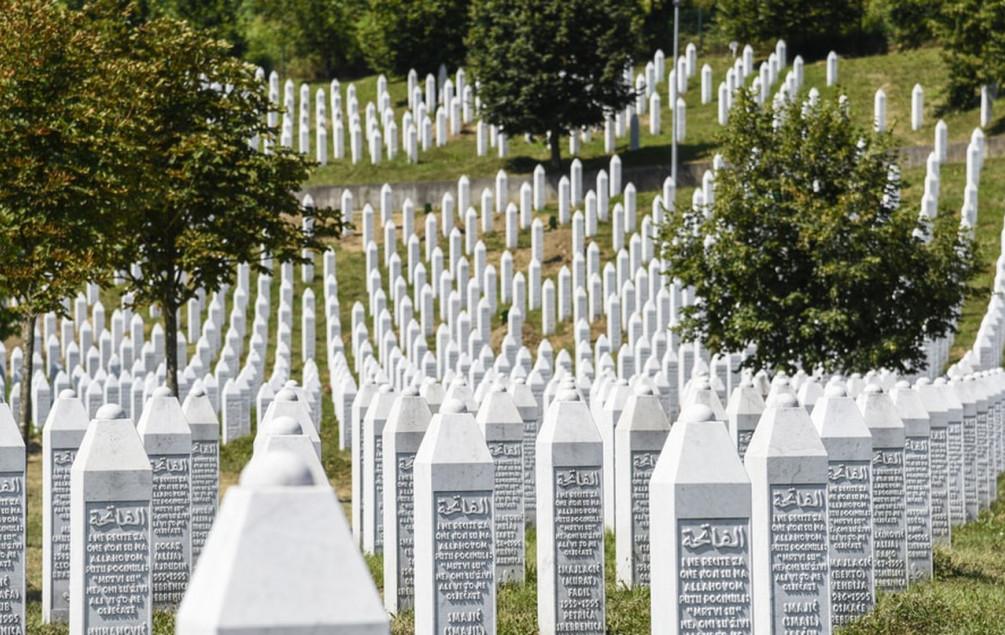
(859, 78)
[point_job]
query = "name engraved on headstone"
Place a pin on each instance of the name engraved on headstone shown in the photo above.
(954, 454)
(849, 531)
(579, 550)
(171, 528)
(799, 558)
(643, 463)
(983, 441)
(232, 417)
(742, 441)
(205, 462)
(117, 567)
(889, 530)
(60, 548)
(970, 466)
(529, 461)
(917, 501)
(12, 553)
(463, 562)
(406, 529)
(378, 495)
(508, 505)
(714, 576)
(937, 459)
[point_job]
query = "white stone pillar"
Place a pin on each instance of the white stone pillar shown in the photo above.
(406, 426)
(167, 440)
(701, 513)
(640, 435)
(787, 464)
(570, 529)
(111, 486)
(454, 524)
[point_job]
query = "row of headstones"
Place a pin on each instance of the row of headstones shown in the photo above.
(437, 114)
(638, 314)
(986, 352)
(127, 507)
(421, 128)
(107, 378)
(868, 481)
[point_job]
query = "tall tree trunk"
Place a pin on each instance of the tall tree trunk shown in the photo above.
(171, 343)
(556, 148)
(27, 370)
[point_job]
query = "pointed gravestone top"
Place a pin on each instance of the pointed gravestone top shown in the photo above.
(162, 415)
(277, 524)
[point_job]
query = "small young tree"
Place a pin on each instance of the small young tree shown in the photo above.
(205, 200)
(61, 170)
(551, 66)
(806, 251)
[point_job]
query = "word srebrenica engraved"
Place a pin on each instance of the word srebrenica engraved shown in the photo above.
(579, 550)
(463, 562)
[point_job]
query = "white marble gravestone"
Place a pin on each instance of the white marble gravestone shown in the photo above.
(64, 430)
(889, 519)
(700, 497)
(111, 487)
(640, 435)
(371, 509)
(360, 404)
(917, 480)
(205, 466)
(849, 510)
(403, 433)
(503, 429)
(787, 464)
(280, 559)
(938, 413)
(13, 521)
(742, 413)
(530, 412)
(570, 523)
(167, 440)
(455, 588)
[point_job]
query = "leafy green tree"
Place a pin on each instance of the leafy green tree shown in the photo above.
(398, 35)
(62, 134)
(910, 22)
(806, 251)
(972, 34)
(551, 66)
(808, 26)
(204, 199)
(316, 38)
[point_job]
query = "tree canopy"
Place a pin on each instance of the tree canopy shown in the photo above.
(806, 251)
(972, 34)
(63, 170)
(398, 35)
(205, 198)
(548, 67)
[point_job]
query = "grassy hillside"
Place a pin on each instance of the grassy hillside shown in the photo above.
(859, 78)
